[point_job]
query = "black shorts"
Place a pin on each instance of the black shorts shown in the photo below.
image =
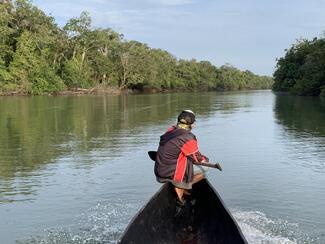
(182, 185)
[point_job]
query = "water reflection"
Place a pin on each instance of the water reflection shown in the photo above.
(303, 123)
(301, 115)
(36, 131)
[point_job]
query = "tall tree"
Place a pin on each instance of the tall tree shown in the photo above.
(102, 57)
(301, 70)
(30, 70)
(6, 50)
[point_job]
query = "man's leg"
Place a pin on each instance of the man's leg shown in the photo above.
(180, 193)
(197, 177)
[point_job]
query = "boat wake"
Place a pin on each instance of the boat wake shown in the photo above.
(105, 222)
(259, 229)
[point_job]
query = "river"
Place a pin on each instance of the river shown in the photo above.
(75, 169)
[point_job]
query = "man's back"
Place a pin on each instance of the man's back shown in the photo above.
(171, 162)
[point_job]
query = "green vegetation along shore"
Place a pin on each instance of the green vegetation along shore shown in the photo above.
(302, 70)
(37, 57)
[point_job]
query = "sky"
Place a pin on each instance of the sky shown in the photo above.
(248, 34)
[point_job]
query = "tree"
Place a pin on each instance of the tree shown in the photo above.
(36, 56)
(30, 71)
(6, 50)
(94, 51)
(103, 57)
(133, 64)
(301, 70)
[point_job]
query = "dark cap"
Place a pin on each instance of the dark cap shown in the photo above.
(186, 117)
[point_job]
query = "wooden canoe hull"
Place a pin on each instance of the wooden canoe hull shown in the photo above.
(204, 219)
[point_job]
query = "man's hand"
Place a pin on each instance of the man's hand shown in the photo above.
(205, 159)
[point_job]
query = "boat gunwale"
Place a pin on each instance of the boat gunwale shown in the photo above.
(227, 210)
(165, 185)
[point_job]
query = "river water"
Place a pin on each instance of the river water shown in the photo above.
(75, 169)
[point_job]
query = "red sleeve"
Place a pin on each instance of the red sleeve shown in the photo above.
(191, 149)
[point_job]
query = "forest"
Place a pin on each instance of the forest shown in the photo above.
(302, 70)
(39, 57)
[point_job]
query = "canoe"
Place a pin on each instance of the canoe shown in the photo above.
(203, 219)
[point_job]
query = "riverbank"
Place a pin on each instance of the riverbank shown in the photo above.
(72, 91)
(111, 90)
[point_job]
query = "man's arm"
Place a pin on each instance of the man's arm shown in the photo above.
(199, 157)
(191, 150)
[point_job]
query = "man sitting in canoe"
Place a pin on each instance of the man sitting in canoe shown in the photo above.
(178, 148)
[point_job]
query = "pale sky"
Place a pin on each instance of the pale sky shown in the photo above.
(249, 34)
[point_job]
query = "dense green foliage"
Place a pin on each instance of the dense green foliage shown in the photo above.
(302, 70)
(37, 56)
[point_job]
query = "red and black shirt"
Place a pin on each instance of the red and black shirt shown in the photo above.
(178, 148)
